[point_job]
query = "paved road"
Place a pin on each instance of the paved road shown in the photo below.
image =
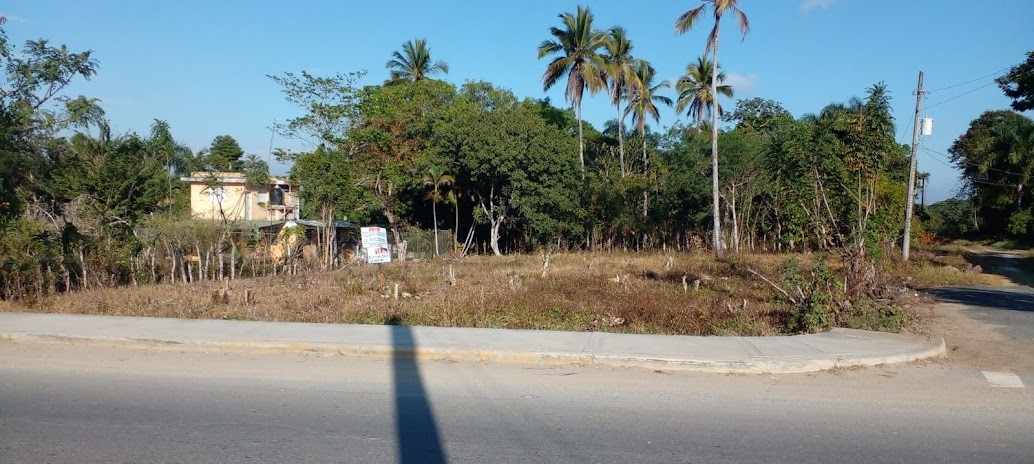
(1009, 309)
(69, 403)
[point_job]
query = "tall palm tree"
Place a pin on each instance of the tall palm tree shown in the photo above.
(642, 104)
(684, 23)
(414, 63)
(644, 98)
(576, 47)
(695, 92)
(620, 71)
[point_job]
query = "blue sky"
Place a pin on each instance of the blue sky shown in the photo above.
(202, 65)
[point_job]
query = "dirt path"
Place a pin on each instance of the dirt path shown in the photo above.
(1015, 265)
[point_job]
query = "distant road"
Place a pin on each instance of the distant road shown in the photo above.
(72, 404)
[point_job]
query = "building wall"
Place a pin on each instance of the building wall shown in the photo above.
(233, 202)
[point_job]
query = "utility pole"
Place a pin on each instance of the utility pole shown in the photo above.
(910, 201)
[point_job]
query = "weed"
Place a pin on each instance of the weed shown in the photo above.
(816, 294)
(579, 293)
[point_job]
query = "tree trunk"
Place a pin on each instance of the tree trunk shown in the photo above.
(200, 276)
(719, 248)
(399, 246)
(646, 172)
(731, 202)
(233, 259)
(621, 137)
(82, 262)
(434, 214)
(154, 271)
(456, 230)
(581, 141)
(496, 223)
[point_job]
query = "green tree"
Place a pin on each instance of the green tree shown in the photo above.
(517, 168)
(951, 218)
(1018, 84)
(996, 157)
(576, 48)
(224, 153)
(389, 143)
(643, 105)
(330, 106)
(328, 191)
(33, 109)
(684, 23)
(758, 115)
(620, 70)
(413, 63)
(695, 93)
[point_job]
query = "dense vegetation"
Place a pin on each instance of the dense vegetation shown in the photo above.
(81, 207)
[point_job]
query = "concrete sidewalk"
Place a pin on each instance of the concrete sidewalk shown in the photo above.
(802, 353)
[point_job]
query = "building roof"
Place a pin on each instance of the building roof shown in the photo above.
(304, 222)
(227, 178)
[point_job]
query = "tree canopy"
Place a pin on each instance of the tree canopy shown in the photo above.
(1018, 84)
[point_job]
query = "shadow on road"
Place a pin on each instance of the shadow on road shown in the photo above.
(1013, 299)
(418, 438)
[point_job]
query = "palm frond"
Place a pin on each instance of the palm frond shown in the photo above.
(686, 20)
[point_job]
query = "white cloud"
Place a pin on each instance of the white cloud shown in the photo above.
(742, 85)
(808, 5)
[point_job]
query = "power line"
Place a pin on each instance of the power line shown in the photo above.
(994, 184)
(969, 81)
(939, 160)
(974, 165)
(959, 95)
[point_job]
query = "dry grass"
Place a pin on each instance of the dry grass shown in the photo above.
(945, 266)
(632, 293)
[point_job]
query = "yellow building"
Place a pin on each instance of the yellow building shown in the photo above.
(225, 196)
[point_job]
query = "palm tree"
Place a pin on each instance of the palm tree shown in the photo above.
(695, 93)
(576, 48)
(438, 182)
(620, 71)
(414, 63)
(642, 104)
(642, 101)
(683, 24)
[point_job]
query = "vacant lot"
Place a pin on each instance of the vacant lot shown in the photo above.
(637, 293)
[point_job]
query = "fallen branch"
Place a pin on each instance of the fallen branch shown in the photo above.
(769, 282)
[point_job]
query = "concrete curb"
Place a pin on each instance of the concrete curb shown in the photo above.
(785, 364)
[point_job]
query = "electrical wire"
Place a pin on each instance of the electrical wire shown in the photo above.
(959, 95)
(994, 184)
(969, 81)
(931, 151)
(939, 160)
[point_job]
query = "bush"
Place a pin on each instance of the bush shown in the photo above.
(814, 296)
(868, 315)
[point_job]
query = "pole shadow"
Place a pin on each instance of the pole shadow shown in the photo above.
(415, 427)
(1003, 298)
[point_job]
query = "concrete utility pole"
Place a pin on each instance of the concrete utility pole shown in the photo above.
(910, 201)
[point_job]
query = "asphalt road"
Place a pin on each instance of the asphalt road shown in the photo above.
(1009, 309)
(66, 403)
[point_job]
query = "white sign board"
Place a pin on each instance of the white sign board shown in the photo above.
(376, 255)
(375, 241)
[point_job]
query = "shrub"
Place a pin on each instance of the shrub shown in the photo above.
(815, 295)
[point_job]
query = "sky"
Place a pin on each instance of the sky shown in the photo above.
(203, 66)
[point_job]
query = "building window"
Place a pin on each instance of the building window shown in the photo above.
(276, 197)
